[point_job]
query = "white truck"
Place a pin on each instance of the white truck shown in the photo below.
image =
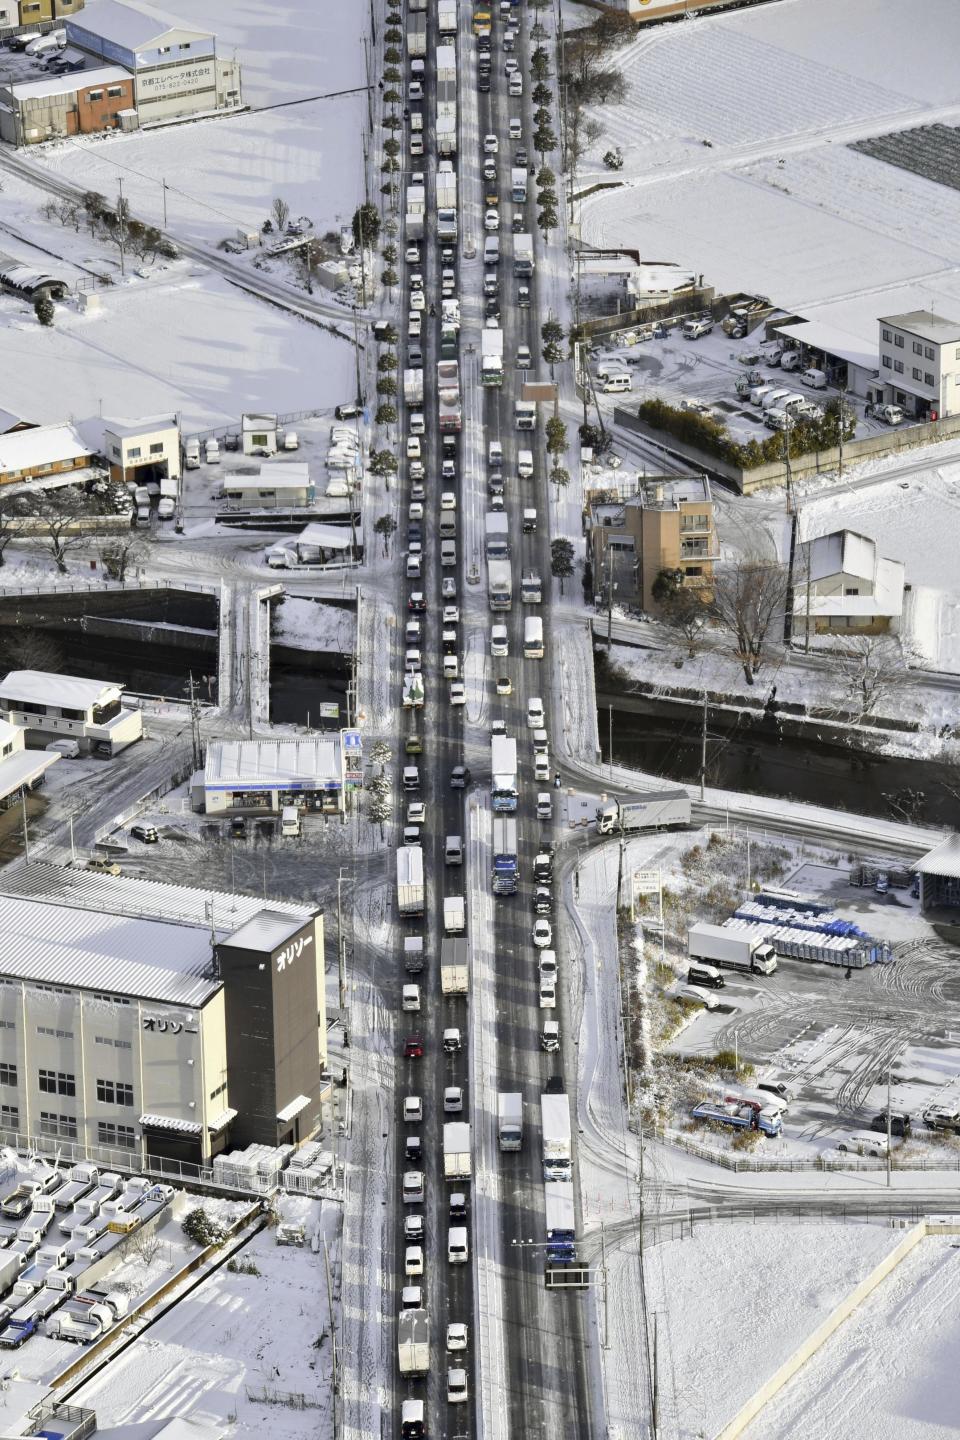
(503, 757)
(417, 34)
(410, 880)
(454, 914)
(447, 17)
(413, 1343)
(413, 387)
(731, 949)
(412, 690)
(496, 535)
(510, 1120)
(454, 968)
(448, 395)
(499, 585)
(416, 207)
(446, 93)
(456, 1151)
(518, 185)
(555, 1136)
(531, 588)
(522, 256)
(660, 810)
(81, 1180)
(561, 1220)
(446, 184)
(491, 356)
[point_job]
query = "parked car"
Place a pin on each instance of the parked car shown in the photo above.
(146, 833)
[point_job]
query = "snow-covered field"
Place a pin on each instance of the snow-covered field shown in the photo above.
(734, 1301)
(310, 625)
(776, 203)
(224, 174)
(187, 341)
(235, 1335)
(889, 1372)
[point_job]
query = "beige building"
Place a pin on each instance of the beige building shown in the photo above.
(667, 525)
(68, 707)
(845, 586)
(920, 363)
(143, 451)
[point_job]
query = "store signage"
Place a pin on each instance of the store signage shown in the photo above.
(293, 951)
(329, 711)
(161, 1026)
(174, 80)
(646, 882)
(352, 742)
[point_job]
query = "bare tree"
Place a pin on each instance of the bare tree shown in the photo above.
(281, 213)
(872, 669)
(121, 553)
(748, 596)
(685, 611)
(9, 529)
(57, 513)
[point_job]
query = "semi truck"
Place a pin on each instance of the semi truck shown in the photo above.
(531, 588)
(660, 810)
(413, 387)
(505, 872)
(446, 182)
(499, 585)
(561, 1221)
(454, 970)
(456, 1150)
(510, 1120)
(522, 256)
(413, 1343)
(417, 34)
(496, 535)
(518, 187)
(448, 395)
(454, 914)
(491, 356)
(446, 92)
(555, 1136)
(503, 755)
(731, 949)
(410, 880)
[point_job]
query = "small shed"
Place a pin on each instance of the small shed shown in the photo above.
(319, 544)
(259, 434)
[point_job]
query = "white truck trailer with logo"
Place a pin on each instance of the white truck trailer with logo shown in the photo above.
(555, 1136)
(731, 949)
(660, 810)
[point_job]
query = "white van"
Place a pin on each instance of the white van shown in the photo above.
(413, 1187)
(776, 419)
(289, 820)
(338, 487)
(533, 638)
(457, 1251)
(790, 360)
(774, 397)
(212, 452)
(499, 641)
(815, 379)
(525, 464)
(617, 383)
(448, 554)
(453, 850)
(758, 392)
(491, 250)
(191, 454)
(411, 997)
(865, 1142)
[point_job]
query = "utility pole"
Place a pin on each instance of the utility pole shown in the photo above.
(889, 1131)
(341, 952)
(609, 594)
(121, 239)
(655, 1416)
(841, 421)
(23, 813)
(610, 737)
(620, 864)
(606, 1289)
(164, 184)
(703, 751)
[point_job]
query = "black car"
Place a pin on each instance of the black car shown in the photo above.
(414, 356)
(483, 84)
(238, 827)
(414, 532)
(449, 447)
(459, 777)
(554, 1085)
(495, 483)
(899, 1123)
(146, 833)
(491, 308)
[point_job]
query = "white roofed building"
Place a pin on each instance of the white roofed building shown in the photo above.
(149, 1019)
(20, 768)
(243, 776)
(920, 363)
(274, 486)
(143, 450)
(58, 707)
(844, 585)
(44, 450)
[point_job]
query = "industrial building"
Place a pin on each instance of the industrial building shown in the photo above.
(142, 1019)
(20, 769)
(60, 707)
(251, 776)
(939, 874)
(845, 586)
(273, 486)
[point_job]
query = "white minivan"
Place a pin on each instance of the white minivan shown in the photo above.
(289, 820)
(617, 383)
(457, 1250)
(865, 1142)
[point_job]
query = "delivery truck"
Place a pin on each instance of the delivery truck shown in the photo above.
(454, 914)
(731, 949)
(555, 1136)
(510, 1120)
(456, 1150)
(454, 963)
(413, 1343)
(410, 880)
(660, 810)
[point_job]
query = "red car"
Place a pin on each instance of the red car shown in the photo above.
(412, 1047)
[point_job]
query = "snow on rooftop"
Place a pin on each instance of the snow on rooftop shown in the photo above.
(926, 325)
(138, 426)
(304, 761)
(278, 476)
(72, 692)
(842, 552)
(131, 25)
(943, 859)
(23, 767)
(327, 537)
(267, 930)
(43, 445)
(66, 84)
(833, 339)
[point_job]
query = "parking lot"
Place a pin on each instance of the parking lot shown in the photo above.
(834, 1037)
(702, 374)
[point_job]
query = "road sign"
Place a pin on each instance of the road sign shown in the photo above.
(352, 742)
(567, 1277)
(329, 710)
(646, 882)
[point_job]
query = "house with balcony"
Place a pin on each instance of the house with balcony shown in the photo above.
(920, 363)
(67, 707)
(665, 525)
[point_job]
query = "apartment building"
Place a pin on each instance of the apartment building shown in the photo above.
(667, 525)
(920, 363)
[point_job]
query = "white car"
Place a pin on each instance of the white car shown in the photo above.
(413, 325)
(417, 300)
(548, 995)
(491, 222)
(515, 86)
(451, 614)
(542, 932)
(415, 90)
(548, 965)
(413, 1227)
(453, 1100)
(413, 661)
(457, 1335)
(412, 1109)
(412, 632)
(416, 510)
(411, 1297)
(524, 360)
(412, 254)
(458, 693)
(535, 718)
(510, 66)
(413, 1260)
(541, 767)
(448, 500)
(448, 587)
(413, 447)
(416, 813)
(416, 279)
(491, 145)
(457, 1391)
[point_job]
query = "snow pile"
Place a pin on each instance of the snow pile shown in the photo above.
(310, 625)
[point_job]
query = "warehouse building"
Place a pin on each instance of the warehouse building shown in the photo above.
(145, 450)
(175, 67)
(67, 707)
(939, 876)
(250, 776)
(142, 1019)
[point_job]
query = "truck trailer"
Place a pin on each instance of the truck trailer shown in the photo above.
(555, 1136)
(413, 1343)
(660, 810)
(456, 1150)
(503, 791)
(454, 965)
(417, 34)
(561, 1221)
(505, 871)
(491, 356)
(496, 535)
(510, 1120)
(410, 880)
(446, 185)
(413, 387)
(454, 915)
(448, 395)
(732, 949)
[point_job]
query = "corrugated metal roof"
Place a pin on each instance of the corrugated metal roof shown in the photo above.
(265, 931)
(943, 859)
(22, 768)
(170, 1122)
(39, 687)
(272, 762)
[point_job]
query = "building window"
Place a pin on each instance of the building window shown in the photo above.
(901, 399)
(98, 95)
(134, 452)
(156, 449)
(10, 1116)
(898, 341)
(115, 91)
(111, 999)
(887, 361)
(956, 354)
(29, 9)
(108, 1040)
(886, 335)
(929, 355)
(852, 590)
(114, 1092)
(115, 451)
(219, 1090)
(928, 380)
(898, 366)
(7, 1025)
(122, 1136)
(54, 1034)
(57, 1082)
(917, 373)
(61, 1127)
(917, 348)
(8, 1073)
